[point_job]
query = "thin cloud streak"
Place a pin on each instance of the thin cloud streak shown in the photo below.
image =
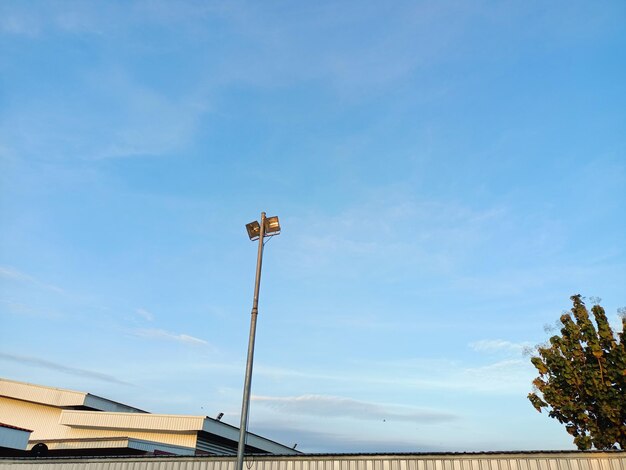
(325, 442)
(500, 377)
(145, 314)
(43, 363)
(13, 274)
(498, 345)
(332, 406)
(443, 230)
(21, 309)
(154, 333)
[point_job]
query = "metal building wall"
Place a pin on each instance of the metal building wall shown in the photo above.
(13, 438)
(54, 423)
(488, 461)
(42, 419)
(47, 424)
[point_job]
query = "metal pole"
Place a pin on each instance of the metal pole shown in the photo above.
(245, 405)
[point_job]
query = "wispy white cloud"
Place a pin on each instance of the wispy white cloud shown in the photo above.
(136, 117)
(149, 122)
(11, 273)
(505, 376)
(8, 272)
(499, 345)
(158, 334)
(367, 321)
(69, 18)
(508, 376)
(145, 314)
(514, 281)
(333, 406)
(22, 309)
(140, 120)
(101, 18)
(14, 24)
(438, 235)
(50, 365)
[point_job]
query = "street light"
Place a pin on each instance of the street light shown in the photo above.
(268, 227)
(272, 227)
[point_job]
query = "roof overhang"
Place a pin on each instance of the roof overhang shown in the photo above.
(59, 397)
(114, 443)
(232, 433)
(131, 421)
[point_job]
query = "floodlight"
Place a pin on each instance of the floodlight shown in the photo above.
(272, 226)
(254, 230)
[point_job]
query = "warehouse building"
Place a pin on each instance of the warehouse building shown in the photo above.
(58, 422)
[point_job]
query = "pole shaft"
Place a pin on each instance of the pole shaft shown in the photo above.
(245, 405)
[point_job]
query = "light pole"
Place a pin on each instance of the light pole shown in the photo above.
(268, 227)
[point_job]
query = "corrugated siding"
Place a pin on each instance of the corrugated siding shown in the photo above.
(39, 394)
(151, 446)
(177, 439)
(564, 461)
(204, 444)
(117, 443)
(42, 419)
(50, 422)
(95, 444)
(137, 421)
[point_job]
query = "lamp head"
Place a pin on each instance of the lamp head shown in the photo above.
(272, 226)
(254, 230)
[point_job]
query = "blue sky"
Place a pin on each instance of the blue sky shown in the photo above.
(446, 174)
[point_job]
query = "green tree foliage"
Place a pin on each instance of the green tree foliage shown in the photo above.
(582, 378)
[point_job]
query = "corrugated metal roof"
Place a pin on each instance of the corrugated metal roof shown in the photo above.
(104, 404)
(39, 394)
(59, 397)
(227, 431)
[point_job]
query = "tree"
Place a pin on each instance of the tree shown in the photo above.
(582, 378)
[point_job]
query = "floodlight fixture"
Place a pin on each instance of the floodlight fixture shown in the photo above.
(254, 230)
(272, 226)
